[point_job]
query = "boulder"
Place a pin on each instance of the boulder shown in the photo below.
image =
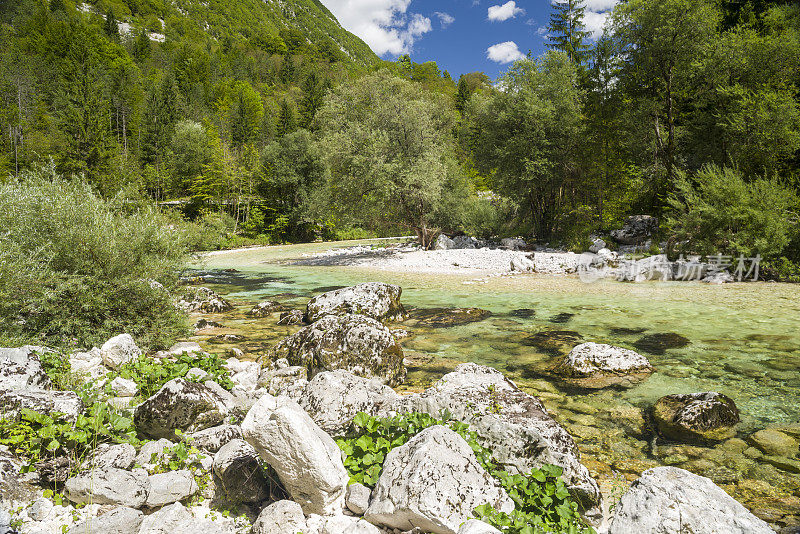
(465, 241)
(179, 404)
(596, 365)
(21, 369)
(522, 264)
(172, 486)
(448, 317)
(636, 230)
(774, 443)
(659, 343)
(373, 299)
(443, 243)
(202, 299)
(124, 388)
(121, 456)
(433, 482)
(243, 373)
(265, 308)
(212, 439)
(474, 526)
(340, 524)
(668, 500)
(281, 517)
(306, 459)
(354, 343)
(119, 350)
(280, 380)
(109, 486)
(42, 402)
(597, 245)
(291, 317)
(513, 424)
(152, 452)
(701, 417)
(238, 473)
(333, 398)
(357, 498)
(512, 243)
(89, 363)
(120, 520)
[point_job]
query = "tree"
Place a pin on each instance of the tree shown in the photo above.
(462, 94)
(287, 70)
(567, 32)
(246, 114)
(314, 90)
(526, 137)
(389, 148)
(659, 41)
(287, 118)
(111, 27)
(160, 116)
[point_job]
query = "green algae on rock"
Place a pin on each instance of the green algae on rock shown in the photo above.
(696, 417)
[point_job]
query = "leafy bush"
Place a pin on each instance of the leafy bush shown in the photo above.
(77, 268)
(542, 502)
(39, 437)
(718, 211)
(151, 374)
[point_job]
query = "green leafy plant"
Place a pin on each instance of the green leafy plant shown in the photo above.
(151, 374)
(38, 437)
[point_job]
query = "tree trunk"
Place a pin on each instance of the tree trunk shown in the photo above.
(426, 236)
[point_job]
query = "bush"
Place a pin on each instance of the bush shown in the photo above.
(718, 211)
(151, 374)
(542, 502)
(77, 268)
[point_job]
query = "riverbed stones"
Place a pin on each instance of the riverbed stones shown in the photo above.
(333, 398)
(179, 405)
(597, 365)
(774, 443)
(204, 300)
(281, 517)
(669, 500)
(659, 343)
(448, 317)
(291, 317)
(109, 486)
(119, 520)
(702, 417)
(238, 473)
(119, 350)
(265, 308)
(513, 424)
(172, 486)
(306, 459)
(374, 299)
(354, 343)
(212, 439)
(433, 482)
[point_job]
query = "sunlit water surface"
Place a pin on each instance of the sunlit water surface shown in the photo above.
(744, 341)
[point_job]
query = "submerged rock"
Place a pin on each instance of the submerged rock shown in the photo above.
(373, 299)
(291, 317)
(433, 482)
(264, 309)
(448, 317)
(513, 424)
(708, 416)
(596, 365)
(659, 343)
(773, 442)
(555, 342)
(668, 500)
(354, 343)
(179, 405)
(203, 299)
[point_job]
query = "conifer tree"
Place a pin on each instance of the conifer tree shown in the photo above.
(314, 90)
(111, 27)
(287, 118)
(287, 70)
(462, 94)
(567, 31)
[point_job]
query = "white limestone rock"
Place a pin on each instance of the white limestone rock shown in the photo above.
(212, 439)
(119, 350)
(374, 299)
(179, 404)
(597, 365)
(172, 486)
(281, 517)
(109, 486)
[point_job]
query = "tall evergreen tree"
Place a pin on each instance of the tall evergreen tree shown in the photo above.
(462, 94)
(567, 31)
(287, 70)
(314, 90)
(287, 118)
(111, 27)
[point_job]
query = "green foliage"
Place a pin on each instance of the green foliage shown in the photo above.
(77, 268)
(39, 437)
(150, 374)
(567, 32)
(543, 504)
(718, 211)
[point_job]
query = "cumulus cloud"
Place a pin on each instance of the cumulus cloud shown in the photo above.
(384, 25)
(509, 10)
(596, 14)
(445, 19)
(504, 52)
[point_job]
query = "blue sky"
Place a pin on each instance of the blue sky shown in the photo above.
(460, 35)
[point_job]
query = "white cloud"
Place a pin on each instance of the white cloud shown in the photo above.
(383, 24)
(509, 10)
(596, 14)
(600, 5)
(445, 19)
(504, 52)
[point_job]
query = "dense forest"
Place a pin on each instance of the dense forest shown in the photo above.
(270, 122)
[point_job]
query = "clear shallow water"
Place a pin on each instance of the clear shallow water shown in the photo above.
(744, 341)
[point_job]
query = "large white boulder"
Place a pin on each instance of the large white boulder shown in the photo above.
(374, 299)
(119, 350)
(281, 517)
(306, 459)
(443, 243)
(45, 402)
(109, 486)
(433, 482)
(172, 486)
(354, 343)
(597, 365)
(21, 369)
(179, 404)
(668, 500)
(238, 473)
(514, 425)
(333, 398)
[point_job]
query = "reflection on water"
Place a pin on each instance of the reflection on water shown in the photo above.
(742, 340)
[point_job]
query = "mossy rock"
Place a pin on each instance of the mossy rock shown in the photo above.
(696, 417)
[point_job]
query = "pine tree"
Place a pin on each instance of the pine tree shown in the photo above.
(314, 90)
(111, 27)
(287, 70)
(462, 94)
(287, 118)
(567, 32)
(160, 116)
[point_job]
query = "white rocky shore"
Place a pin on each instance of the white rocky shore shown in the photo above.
(266, 448)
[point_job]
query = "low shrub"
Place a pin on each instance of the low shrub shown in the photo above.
(151, 374)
